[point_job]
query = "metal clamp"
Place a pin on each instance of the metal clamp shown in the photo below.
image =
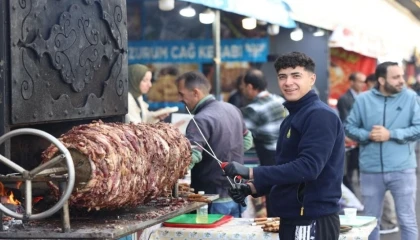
(29, 175)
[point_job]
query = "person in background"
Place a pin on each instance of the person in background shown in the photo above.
(370, 81)
(139, 77)
(223, 128)
(305, 183)
(263, 117)
(386, 121)
(236, 97)
(345, 103)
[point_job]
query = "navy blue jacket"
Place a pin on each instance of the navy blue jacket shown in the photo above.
(306, 182)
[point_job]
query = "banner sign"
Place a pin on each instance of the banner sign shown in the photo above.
(343, 63)
(197, 51)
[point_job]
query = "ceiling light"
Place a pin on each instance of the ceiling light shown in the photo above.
(166, 5)
(249, 23)
(319, 33)
(273, 29)
(207, 17)
(187, 11)
(297, 34)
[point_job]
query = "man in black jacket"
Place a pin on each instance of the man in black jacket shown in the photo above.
(344, 105)
(305, 183)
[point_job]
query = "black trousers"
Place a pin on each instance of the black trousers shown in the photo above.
(324, 228)
(267, 158)
(352, 164)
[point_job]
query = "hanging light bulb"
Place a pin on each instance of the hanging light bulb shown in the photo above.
(187, 11)
(297, 34)
(319, 33)
(273, 29)
(166, 5)
(249, 23)
(207, 17)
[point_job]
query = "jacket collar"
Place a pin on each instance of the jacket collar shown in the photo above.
(202, 103)
(295, 106)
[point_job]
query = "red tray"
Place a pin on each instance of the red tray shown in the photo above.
(219, 222)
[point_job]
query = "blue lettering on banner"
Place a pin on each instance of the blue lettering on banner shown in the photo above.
(197, 51)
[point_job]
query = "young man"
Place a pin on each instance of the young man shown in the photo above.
(386, 121)
(224, 129)
(305, 183)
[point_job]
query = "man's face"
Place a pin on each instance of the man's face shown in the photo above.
(394, 81)
(245, 89)
(295, 82)
(359, 84)
(187, 96)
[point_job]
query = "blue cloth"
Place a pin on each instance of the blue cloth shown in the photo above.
(227, 208)
(400, 114)
(306, 182)
(403, 187)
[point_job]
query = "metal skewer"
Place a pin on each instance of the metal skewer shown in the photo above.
(220, 162)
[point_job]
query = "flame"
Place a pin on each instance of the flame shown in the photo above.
(18, 184)
(7, 196)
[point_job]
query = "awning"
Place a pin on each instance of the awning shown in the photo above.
(271, 11)
(377, 27)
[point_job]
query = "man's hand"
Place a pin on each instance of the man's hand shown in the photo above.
(233, 169)
(163, 116)
(239, 192)
(379, 134)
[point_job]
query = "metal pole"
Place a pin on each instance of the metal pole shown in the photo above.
(217, 55)
(1, 221)
(65, 214)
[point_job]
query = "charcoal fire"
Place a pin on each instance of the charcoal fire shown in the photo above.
(7, 196)
(123, 165)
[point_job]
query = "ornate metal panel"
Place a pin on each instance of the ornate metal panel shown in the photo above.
(68, 58)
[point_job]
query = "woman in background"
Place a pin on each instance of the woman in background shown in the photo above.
(140, 82)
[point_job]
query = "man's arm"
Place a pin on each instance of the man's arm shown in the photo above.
(248, 140)
(319, 135)
(193, 135)
(411, 133)
(353, 124)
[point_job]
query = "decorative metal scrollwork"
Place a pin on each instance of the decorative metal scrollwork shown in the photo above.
(81, 44)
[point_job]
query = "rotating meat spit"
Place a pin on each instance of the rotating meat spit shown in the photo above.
(41, 172)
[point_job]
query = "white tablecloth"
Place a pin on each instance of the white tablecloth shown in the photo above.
(240, 228)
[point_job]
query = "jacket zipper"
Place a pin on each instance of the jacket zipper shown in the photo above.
(381, 144)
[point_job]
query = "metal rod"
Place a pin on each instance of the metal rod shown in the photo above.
(65, 214)
(12, 164)
(217, 54)
(46, 165)
(28, 199)
(205, 140)
(1, 221)
(220, 162)
(208, 152)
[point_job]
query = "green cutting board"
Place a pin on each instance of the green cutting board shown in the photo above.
(191, 219)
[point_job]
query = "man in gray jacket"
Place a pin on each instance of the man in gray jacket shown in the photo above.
(386, 122)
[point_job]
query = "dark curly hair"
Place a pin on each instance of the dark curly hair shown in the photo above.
(293, 60)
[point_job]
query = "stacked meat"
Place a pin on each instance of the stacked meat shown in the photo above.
(130, 164)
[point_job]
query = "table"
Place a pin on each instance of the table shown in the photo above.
(240, 228)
